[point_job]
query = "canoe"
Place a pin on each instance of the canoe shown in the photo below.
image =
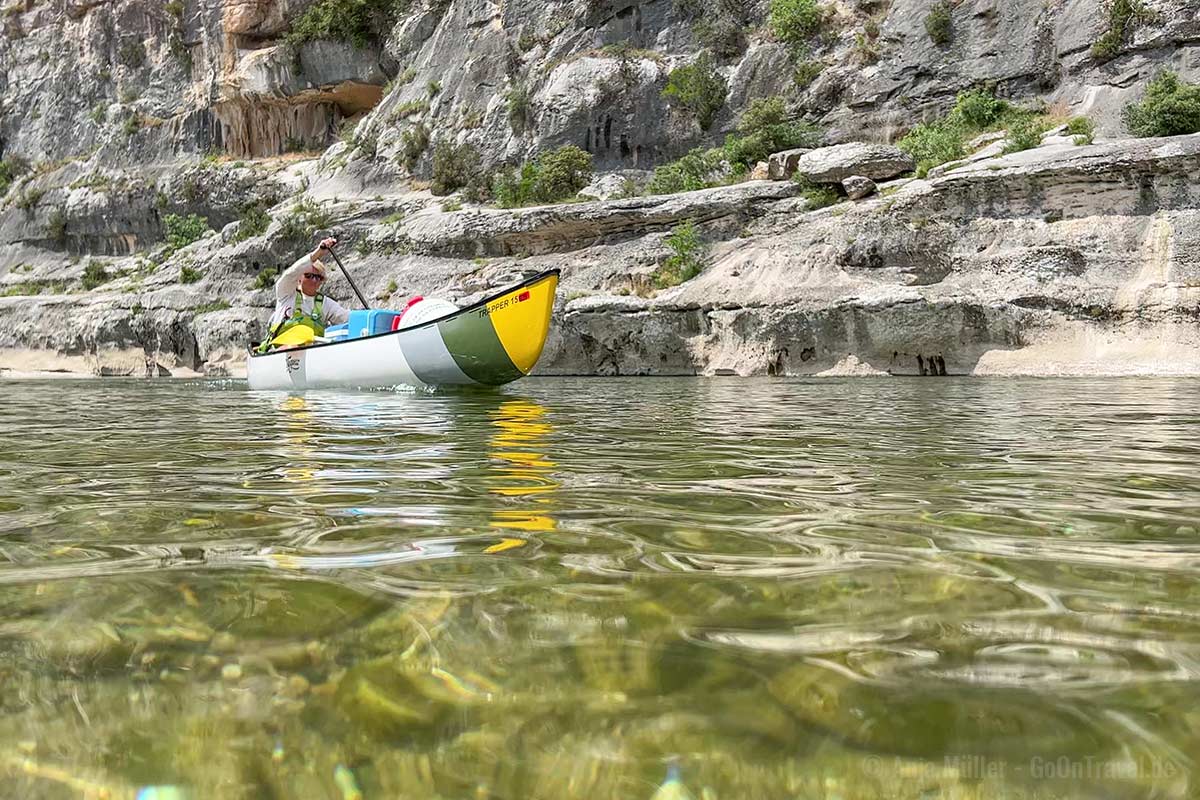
(492, 342)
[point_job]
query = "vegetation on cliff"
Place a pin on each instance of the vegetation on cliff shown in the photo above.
(359, 22)
(944, 140)
(1170, 108)
(552, 177)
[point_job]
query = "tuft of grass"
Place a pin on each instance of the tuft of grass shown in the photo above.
(686, 260)
(304, 220)
(1083, 129)
(698, 88)
(189, 274)
(519, 105)
(413, 144)
(210, 307)
(1169, 108)
(266, 278)
(939, 23)
(94, 275)
(254, 222)
(56, 226)
(1025, 133)
(818, 195)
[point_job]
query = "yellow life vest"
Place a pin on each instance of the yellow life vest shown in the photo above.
(316, 320)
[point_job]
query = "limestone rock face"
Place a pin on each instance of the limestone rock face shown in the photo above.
(834, 164)
(782, 165)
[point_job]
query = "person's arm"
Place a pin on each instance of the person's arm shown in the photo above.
(335, 312)
(286, 283)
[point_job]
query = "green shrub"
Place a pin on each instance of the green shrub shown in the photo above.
(1024, 133)
(1083, 129)
(806, 72)
(413, 144)
(94, 275)
(254, 222)
(518, 106)
(433, 87)
(266, 278)
(696, 170)
(698, 88)
(303, 221)
(554, 176)
(979, 109)
(1170, 108)
(686, 260)
(721, 33)
(7, 176)
(818, 195)
(931, 144)
(458, 166)
(1123, 17)
(944, 140)
(98, 113)
(189, 274)
(132, 54)
(182, 231)
(56, 226)
(29, 199)
(938, 23)
(358, 22)
(132, 124)
(794, 21)
(764, 129)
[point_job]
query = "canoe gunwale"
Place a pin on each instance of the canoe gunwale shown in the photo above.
(252, 350)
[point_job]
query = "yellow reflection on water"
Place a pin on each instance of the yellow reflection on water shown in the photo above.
(522, 469)
(298, 423)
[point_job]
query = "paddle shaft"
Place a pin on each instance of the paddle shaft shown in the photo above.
(353, 285)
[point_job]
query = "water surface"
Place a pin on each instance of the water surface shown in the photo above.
(852, 589)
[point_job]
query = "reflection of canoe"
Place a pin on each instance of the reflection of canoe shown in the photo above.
(494, 341)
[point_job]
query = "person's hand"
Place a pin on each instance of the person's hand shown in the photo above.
(328, 244)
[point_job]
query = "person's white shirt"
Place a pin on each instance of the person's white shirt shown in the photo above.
(288, 283)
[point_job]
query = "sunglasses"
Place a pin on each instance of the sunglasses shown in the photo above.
(314, 276)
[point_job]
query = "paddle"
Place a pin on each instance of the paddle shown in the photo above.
(353, 286)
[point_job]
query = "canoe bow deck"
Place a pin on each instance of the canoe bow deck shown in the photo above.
(489, 343)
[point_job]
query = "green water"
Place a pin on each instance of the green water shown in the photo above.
(785, 589)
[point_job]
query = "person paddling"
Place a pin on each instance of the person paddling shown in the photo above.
(298, 298)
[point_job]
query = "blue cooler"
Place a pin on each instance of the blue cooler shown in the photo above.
(369, 323)
(337, 332)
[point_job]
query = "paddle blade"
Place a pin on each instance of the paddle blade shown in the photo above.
(299, 336)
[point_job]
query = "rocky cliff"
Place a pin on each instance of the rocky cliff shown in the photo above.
(128, 113)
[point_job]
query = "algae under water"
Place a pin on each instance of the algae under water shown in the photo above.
(571, 588)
